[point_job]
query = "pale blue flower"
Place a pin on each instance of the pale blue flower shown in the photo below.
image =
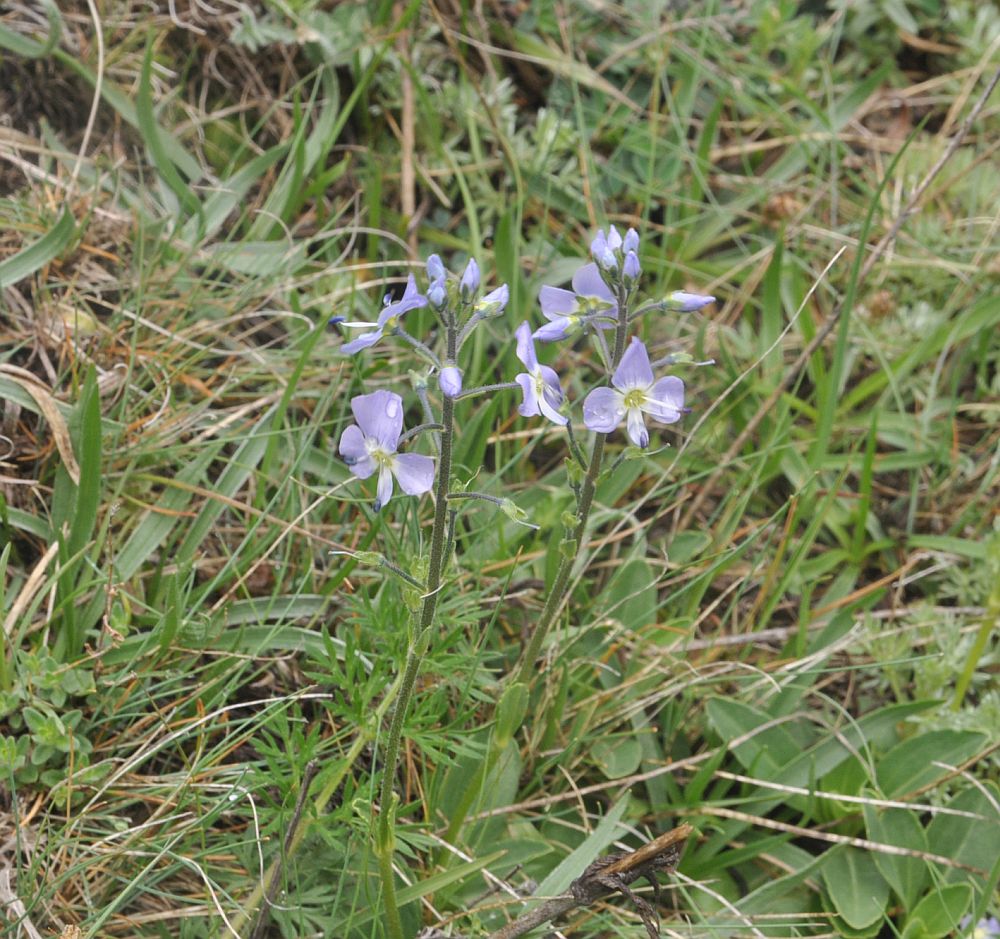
(371, 444)
(986, 928)
(635, 393)
(631, 241)
(540, 387)
(391, 312)
(567, 310)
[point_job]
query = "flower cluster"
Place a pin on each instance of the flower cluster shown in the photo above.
(600, 301)
(370, 444)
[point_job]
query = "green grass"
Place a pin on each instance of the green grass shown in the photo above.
(787, 641)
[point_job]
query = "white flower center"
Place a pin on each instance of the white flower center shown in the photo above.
(379, 453)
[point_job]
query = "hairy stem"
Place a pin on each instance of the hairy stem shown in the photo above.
(384, 839)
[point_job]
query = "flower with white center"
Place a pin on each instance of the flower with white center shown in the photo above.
(540, 387)
(567, 310)
(635, 393)
(391, 312)
(371, 444)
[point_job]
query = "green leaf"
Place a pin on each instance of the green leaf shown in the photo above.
(161, 157)
(907, 876)
(856, 889)
(921, 760)
(576, 863)
(617, 756)
(36, 255)
(970, 841)
(32, 48)
(938, 914)
(229, 195)
(763, 753)
(632, 595)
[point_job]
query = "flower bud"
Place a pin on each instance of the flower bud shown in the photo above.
(631, 268)
(470, 279)
(494, 302)
(688, 302)
(614, 239)
(435, 269)
(631, 242)
(450, 381)
(437, 293)
(599, 246)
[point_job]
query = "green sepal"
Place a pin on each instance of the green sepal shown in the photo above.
(568, 547)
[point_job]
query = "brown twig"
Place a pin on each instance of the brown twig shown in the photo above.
(611, 874)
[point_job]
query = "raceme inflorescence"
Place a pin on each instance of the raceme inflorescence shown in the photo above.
(602, 305)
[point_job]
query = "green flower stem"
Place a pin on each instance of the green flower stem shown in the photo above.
(486, 390)
(584, 504)
(419, 429)
(384, 838)
(421, 347)
(483, 496)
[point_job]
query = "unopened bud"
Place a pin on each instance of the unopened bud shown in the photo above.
(450, 381)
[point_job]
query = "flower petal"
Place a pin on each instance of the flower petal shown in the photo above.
(362, 342)
(634, 370)
(383, 492)
(414, 472)
(380, 415)
(559, 328)
(529, 399)
(665, 400)
(587, 282)
(603, 409)
(355, 453)
(551, 397)
(556, 302)
(636, 427)
(526, 347)
(411, 300)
